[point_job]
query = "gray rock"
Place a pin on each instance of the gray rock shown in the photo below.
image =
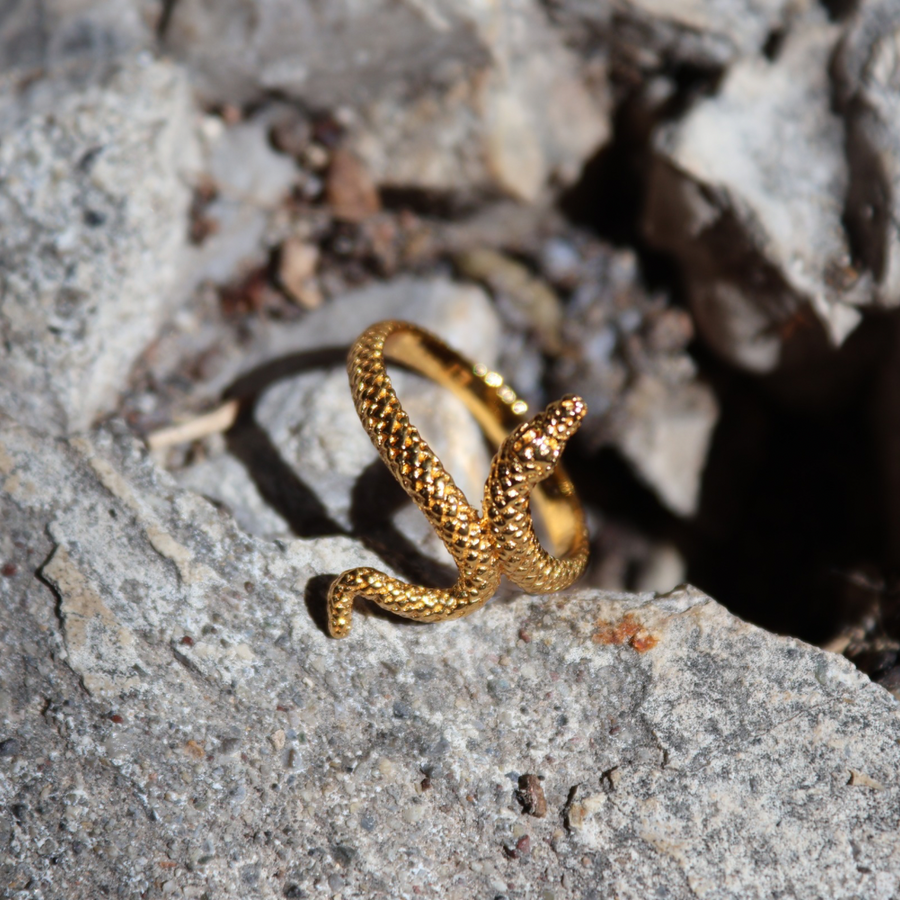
(222, 478)
(869, 98)
(748, 193)
(462, 315)
(527, 119)
(665, 432)
(655, 34)
(224, 741)
(344, 52)
(440, 95)
(71, 35)
(310, 419)
(244, 166)
(251, 180)
(625, 352)
(94, 206)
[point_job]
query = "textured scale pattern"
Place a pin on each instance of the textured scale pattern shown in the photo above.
(470, 538)
(525, 459)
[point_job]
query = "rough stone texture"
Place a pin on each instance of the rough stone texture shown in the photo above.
(665, 433)
(250, 180)
(625, 353)
(449, 96)
(238, 51)
(868, 83)
(311, 421)
(759, 233)
(77, 36)
(173, 719)
(533, 116)
(657, 33)
(182, 725)
(94, 206)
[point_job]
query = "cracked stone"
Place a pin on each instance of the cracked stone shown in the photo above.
(440, 95)
(93, 201)
(747, 191)
(741, 758)
(868, 95)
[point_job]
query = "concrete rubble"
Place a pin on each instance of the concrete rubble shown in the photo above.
(445, 96)
(94, 202)
(199, 202)
(175, 720)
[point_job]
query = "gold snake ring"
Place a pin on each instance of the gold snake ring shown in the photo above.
(500, 540)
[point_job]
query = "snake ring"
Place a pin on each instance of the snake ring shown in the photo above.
(501, 539)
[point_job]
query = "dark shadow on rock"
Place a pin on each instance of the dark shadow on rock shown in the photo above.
(252, 383)
(792, 503)
(376, 497)
(277, 481)
(316, 598)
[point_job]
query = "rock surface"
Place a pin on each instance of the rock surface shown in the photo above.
(72, 36)
(93, 201)
(249, 181)
(868, 92)
(625, 353)
(312, 425)
(445, 96)
(175, 721)
(656, 33)
(760, 234)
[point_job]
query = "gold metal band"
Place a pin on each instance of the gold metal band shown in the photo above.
(502, 539)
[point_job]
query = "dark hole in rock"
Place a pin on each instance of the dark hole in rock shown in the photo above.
(795, 500)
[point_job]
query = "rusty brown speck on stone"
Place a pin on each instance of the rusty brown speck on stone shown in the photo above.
(531, 795)
(195, 750)
(627, 630)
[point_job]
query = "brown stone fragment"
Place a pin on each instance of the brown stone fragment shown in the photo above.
(627, 630)
(531, 795)
(349, 189)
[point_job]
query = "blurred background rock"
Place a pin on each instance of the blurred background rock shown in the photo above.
(687, 212)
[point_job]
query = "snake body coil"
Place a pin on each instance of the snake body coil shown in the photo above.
(501, 541)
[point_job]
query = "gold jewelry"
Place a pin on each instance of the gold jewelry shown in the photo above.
(484, 546)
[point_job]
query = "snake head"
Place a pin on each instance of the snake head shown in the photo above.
(538, 444)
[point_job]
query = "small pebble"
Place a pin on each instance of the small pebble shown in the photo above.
(413, 814)
(229, 745)
(402, 710)
(531, 795)
(291, 134)
(9, 747)
(296, 268)
(349, 188)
